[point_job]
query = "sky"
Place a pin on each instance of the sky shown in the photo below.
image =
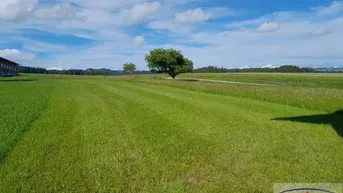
(81, 34)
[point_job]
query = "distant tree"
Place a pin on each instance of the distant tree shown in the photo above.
(307, 70)
(168, 61)
(288, 68)
(129, 67)
(90, 72)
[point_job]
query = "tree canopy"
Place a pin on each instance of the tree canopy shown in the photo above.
(129, 67)
(168, 61)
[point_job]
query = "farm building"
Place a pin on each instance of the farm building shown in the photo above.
(8, 68)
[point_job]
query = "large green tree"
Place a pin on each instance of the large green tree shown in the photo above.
(168, 61)
(129, 67)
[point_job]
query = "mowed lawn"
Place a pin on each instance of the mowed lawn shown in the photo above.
(318, 80)
(147, 134)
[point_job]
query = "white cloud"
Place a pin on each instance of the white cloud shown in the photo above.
(239, 24)
(303, 39)
(95, 19)
(58, 68)
(170, 2)
(103, 55)
(106, 4)
(290, 45)
(41, 47)
(333, 9)
(14, 54)
(139, 40)
(169, 25)
(14, 10)
(57, 12)
(244, 67)
(143, 12)
(273, 17)
(319, 32)
(269, 66)
(269, 27)
(109, 35)
(193, 16)
(233, 48)
(101, 17)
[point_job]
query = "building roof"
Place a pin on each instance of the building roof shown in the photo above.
(11, 62)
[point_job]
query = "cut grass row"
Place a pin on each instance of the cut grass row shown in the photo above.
(20, 104)
(110, 135)
(318, 80)
(325, 99)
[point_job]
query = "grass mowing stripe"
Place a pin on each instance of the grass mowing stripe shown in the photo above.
(255, 107)
(290, 140)
(90, 145)
(97, 135)
(41, 148)
(174, 141)
(136, 163)
(198, 97)
(301, 80)
(153, 128)
(312, 98)
(20, 105)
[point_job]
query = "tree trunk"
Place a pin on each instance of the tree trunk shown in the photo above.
(172, 75)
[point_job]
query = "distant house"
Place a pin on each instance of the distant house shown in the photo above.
(8, 68)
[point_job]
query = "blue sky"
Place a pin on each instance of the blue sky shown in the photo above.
(62, 34)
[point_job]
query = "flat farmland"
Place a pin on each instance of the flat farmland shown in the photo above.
(149, 134)
(322, 80)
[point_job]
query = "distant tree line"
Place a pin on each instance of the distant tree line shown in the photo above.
(129, 68)
(89, 71)
(285, 68)
(211, 69)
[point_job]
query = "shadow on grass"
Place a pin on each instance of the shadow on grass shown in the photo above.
(16, 80)
(187, 80)
(334, 119)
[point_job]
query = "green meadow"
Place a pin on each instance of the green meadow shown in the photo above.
(146, 133)
(322, 80)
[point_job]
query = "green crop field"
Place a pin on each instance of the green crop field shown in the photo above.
(146, 133)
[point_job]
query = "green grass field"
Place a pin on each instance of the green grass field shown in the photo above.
(150, 134)
(322, 80)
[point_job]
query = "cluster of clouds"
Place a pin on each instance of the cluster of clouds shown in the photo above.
(16, 55)
(18, 10)
(335, 8)
(58, 12)
(141, 12)
(193, 16)
(125, 30)
(14, 10)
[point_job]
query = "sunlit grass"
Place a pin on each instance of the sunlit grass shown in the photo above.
(145, 134)
(315, 80)
(21, 102)
(313, 97)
